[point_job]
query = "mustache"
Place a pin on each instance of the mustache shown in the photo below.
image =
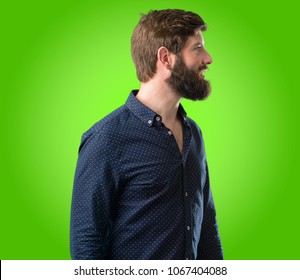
(203, 68)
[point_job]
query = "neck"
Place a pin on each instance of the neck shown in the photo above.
(160, 99)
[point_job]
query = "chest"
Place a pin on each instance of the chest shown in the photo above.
(155, 154)
(178, 135)
(176, 130)
(153, 170)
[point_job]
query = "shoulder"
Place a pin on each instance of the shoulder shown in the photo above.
(106, 129)
(110, 121)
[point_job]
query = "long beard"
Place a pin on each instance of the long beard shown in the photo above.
(187, 83)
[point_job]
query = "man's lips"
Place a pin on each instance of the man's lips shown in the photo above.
(202, 71)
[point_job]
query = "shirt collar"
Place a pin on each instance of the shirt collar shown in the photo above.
(145, 114)
(182, 113)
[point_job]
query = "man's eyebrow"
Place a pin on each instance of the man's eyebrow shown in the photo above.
(197, 44)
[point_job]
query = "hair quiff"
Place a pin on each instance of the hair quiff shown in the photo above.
(168, 28)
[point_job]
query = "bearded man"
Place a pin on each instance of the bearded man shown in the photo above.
(141, 188)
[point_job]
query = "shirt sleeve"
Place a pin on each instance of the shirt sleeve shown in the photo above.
(93, 193)
(209, 247)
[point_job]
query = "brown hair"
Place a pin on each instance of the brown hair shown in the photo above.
(168, 28)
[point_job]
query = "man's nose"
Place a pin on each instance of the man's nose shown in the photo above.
(207, 59)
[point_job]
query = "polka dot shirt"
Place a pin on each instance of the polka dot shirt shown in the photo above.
(136, 196)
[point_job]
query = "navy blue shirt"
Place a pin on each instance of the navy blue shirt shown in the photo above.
(136, 196)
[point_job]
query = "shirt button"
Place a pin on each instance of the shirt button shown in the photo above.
(188, 227)
(170, 132)
(158, 119)
(150, 122)
(186, 194)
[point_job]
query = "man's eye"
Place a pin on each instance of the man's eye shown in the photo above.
(198, 47)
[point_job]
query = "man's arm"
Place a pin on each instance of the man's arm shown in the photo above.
(209, 247)
(92, 199)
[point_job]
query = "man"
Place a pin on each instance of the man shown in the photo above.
(141, 187)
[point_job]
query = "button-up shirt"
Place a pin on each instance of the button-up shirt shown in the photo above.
(136, 196)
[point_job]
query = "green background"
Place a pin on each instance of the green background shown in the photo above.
(66, 64)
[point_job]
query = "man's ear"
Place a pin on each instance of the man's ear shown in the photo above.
(165, 58)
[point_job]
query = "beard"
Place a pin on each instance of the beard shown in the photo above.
(187, 83)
